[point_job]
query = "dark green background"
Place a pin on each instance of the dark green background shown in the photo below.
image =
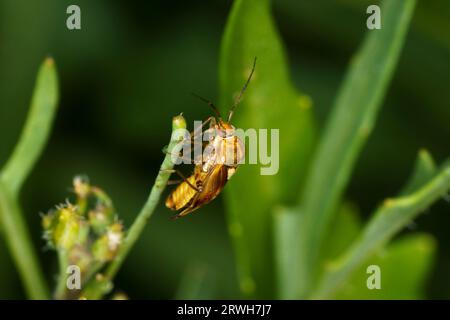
(133, 66)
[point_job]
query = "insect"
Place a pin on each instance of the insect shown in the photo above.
(224, 153)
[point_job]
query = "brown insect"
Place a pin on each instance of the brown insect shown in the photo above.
(224, 153)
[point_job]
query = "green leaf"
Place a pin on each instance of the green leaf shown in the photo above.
(424, 170)
(346, 228)
(287, 260)
(270, 102)
(399, 280)
(27, 151)
(405, 265)
(392, 216)
(352, 119)
(37, 128)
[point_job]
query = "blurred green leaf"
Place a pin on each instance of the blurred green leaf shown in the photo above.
(347, 226)
(36, 130)
(399, 280)
(287, 260)
(389, 219)
(405, 266)
(432, 18)
(32, 141)
(424, 170)
(270, 102)
(352, 119)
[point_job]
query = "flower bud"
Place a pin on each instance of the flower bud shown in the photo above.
(100, 219)
(81, 186)
(106, 247)
(86, 234)
(63, 228)
(178, 122)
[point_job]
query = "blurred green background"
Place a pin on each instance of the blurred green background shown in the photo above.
(133, 66)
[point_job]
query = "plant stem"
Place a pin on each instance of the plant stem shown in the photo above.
(146, 212)
(36, 130)
(20, 245)
(32, 141)
(389, 219)
(61, 285)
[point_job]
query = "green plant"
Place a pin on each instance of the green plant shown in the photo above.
(79, 233)
(16, 170)
(284, 243)
(144, 215)
(86, 234)
(280, 237)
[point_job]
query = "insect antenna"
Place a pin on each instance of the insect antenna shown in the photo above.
(238, 99)
(210, 104)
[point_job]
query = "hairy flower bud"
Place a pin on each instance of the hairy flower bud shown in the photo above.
(86, 234)
(64, 228)
(100, 219)
(106, 247)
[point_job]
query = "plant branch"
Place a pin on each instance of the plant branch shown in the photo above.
(389, 219)
(146, 212)
(27, 151)
(36, 130)
(62, 277)
(20, 245)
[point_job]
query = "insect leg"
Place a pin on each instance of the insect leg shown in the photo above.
(200, 129)
(184, 158)
(187, 210)
(172, 182)
(193, 134)
(193, 206)
(178, 172)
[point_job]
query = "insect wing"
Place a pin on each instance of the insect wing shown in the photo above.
(212, 185)
(183, 194)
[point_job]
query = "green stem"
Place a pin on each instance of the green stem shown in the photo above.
(36, 130)
(32, 141)
(19, 244)
(141, 220)
(61, 285)
(389, 219)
